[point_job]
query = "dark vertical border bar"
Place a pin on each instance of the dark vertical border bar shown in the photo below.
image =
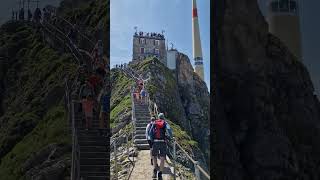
(217, 16)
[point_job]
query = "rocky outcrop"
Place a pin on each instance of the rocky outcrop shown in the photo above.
(182, 97)
(195, 100)
(266, 116)
(47, 163)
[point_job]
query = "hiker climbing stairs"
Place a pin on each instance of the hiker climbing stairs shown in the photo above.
(94, 157)
(143, 169)
(142, 119)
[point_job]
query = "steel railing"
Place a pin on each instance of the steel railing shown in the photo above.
(117, 139)
(198, 170)
(75, 161)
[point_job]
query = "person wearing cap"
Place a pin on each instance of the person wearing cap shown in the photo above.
(159, 133)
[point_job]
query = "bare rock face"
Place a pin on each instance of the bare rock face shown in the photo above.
(266, 116)
(195, 101)
(47, 164)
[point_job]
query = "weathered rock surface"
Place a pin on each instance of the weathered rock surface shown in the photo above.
(266, 116)
(195, 100)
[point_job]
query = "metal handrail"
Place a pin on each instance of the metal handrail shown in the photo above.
(75, 162)
(155, 110)
(114, 140)
(84, 36)
(197, 167)
(64, 41)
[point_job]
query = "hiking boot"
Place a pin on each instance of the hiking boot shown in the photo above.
(154, 173)
(151, 162)
(159, 175)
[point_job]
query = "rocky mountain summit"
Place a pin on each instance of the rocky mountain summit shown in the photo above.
(266, 115)
(179, 94)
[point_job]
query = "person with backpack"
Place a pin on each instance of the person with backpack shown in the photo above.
(88, 105)
(148, 137)
(29, 15)
(143, 96)
(105, 105)
(159, 133)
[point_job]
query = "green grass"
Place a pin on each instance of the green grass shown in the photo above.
(123, 106)
(53, 128)
(182, 137)
(33, 117)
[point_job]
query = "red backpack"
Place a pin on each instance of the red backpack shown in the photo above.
(158, 130)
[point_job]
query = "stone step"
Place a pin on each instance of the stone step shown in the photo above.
(147, 118)
(143, 146)
(142, 123)
(140, 136)
(85, 174)
(90, 132)
(94, 143)
(140, 118)
(102, 155)
(91, 137)
(94, 168)
(140, 131)
(94, 148)
(94, 161)
(145, 111)
(142, 115)
(96, 178)
(141, 141)
(83, 123)
(141, 128)
(142, 111)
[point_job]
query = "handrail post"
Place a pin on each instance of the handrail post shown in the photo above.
(196, 170)
(115, 160)
(127, 140)
(174, 159)
(133, 144)
(73, 168)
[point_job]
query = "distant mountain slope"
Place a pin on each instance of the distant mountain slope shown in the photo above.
(267, 118)
(32, 89)
(173, 98)
(35, 139)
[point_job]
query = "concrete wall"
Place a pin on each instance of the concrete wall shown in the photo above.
(171, 59)
(287, 28)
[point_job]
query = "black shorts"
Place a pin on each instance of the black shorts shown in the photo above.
(150, 144)
(159, 148)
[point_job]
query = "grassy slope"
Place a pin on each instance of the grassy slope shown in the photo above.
(167, 90)
(33, 118)
(120, 96)
(52, 129)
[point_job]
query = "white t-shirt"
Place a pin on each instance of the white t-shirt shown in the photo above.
(147, 129)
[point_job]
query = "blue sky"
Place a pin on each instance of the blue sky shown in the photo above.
(172, 16)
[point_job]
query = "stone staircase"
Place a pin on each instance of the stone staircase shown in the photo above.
(142, 119)
(94, 157)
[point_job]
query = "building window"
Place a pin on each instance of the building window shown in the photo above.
(274, 6)
(142, 41)
(156, 42)
(293, 6)
(284, 6)
(156, 51)
(142, 50)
